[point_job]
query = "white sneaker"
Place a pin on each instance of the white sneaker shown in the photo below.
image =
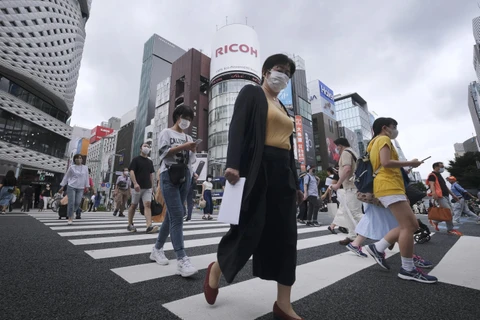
(70, 222)
(185, 268)
(158, 256)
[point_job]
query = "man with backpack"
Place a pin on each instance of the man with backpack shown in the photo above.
(350, 206)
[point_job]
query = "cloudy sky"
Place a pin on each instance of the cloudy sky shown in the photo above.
(410, 60)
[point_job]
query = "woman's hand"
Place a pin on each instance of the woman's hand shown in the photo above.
(190, 146)
(300, 197)
(415, 163)
(232, 175)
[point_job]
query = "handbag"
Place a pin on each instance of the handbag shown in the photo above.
(160, 200)
(414, 194)
(439, 214)
(177, 171)
(156, 207)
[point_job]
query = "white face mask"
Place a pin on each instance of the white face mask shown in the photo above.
(125, 173)
(146, 150)
(209, 179)
(442, 170)
(184, 124)
(277, 81)
(393, 133)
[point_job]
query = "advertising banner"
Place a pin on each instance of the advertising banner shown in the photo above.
(200, 167)
(321, 98)
(100, 131)
(285, 96)
(235, 48)
(300, 142)
(308, 143)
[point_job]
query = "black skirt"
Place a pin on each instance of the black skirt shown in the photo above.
(268, 230)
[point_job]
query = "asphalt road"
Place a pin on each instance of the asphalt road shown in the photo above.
(96, 270)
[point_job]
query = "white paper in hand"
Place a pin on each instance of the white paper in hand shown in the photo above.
(231, 202)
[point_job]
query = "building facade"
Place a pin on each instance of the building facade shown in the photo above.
(124, 146)
(158, 56)
(325, 132)
(459, 149)
(471, 145)
(474, 105)
(162, 105)
(100, 160)
(352, 113)
(476, 46)
(41, 46)
(321, 98)
(235, 62)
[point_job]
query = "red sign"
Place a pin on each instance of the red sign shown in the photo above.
(101, 131)
(300, 142)
(236, 48)
(95, 139)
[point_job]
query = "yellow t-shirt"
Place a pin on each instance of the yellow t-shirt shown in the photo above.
(389, 181)
(279, 128)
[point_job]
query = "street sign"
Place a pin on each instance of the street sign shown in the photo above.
(103, 185)
(107, 185)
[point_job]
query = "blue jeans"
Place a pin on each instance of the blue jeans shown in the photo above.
(74, 199)
(207, 196)
(173, 224)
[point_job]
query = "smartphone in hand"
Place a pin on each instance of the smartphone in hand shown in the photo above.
(198, 141)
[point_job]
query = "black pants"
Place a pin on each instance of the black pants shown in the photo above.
(303, 210)
(313, 207)
(268, 229)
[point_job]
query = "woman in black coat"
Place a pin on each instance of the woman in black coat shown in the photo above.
(261, 149)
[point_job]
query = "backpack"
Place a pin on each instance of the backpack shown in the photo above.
(364, 176)
(302, 182)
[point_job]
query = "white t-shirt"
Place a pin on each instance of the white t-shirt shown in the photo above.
(168, 139)
(208, 185)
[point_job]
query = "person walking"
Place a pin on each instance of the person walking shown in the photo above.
(142, 176)
(461, 205)
(177, 154)
(6, 193)
(311, 196)
(350, 207)
(122, 193)
(207, 187)
(47, 195)
(389, 189)
(440, 194)
(261, 149)
(77, 180)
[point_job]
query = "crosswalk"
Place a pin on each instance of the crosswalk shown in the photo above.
(321, 262)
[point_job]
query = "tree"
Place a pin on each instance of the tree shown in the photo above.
(465, 169)
(323, 175)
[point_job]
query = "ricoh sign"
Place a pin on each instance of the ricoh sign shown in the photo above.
(235, 48)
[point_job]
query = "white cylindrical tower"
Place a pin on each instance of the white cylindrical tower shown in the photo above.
(235, 62)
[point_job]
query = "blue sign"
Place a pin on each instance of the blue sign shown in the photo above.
(286, 95)
(326, 93)
(107, 185)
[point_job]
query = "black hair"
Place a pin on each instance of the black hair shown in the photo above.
(342, 142)
(436, 165)
(89, 171)
(275, 60)
(78, 155)
(10, 179)
(209, 176)
(146, 142)
(330, 170)
(182, 111)
(379, 123)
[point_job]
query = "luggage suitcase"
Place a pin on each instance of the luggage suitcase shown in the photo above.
(62, 211)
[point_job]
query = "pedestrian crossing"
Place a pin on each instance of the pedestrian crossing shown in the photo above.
(321, 263)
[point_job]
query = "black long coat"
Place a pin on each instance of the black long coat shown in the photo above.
(246, 142)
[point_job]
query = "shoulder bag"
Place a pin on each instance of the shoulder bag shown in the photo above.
(177, 171)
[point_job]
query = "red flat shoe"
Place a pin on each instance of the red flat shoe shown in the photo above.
(210, 293)
(278, 314)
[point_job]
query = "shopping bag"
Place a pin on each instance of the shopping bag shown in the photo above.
(439, 214)
(64, 201)
(158, 202)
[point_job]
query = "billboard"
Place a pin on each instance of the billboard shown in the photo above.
(321, 98)
(82, 146)
(300, 142)
(235, 48)
(285, 96)
(101, 132)
(308, 143)
(200, 167)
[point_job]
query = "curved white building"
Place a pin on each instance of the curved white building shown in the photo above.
(41, 46)
(476, 47)
(235, 62)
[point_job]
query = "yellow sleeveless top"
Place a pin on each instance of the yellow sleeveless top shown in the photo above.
(279, 127)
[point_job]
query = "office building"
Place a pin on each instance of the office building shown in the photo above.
(352, 113)
(459, 149)
(128, 117)
(114, 123)
(235, 62)
(41, 46)
(471, 145)
(161, 120)
(124, 147)
(474, 105)
(100, 160)
(476, 46)
(158, 56)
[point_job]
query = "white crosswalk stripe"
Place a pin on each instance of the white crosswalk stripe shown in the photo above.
(104, 238)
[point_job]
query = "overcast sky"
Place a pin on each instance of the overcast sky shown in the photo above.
(410, 60)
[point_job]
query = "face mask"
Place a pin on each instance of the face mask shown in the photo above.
(125, 173)
(442, 170)
(78, 161)
(277, 81)
(209, 179)
(313, 171)
(393, 133)
(184, 124)
(145, 150)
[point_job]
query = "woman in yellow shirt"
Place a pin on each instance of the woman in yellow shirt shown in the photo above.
(389, 188)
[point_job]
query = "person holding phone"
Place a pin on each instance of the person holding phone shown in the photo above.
(207, 187)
